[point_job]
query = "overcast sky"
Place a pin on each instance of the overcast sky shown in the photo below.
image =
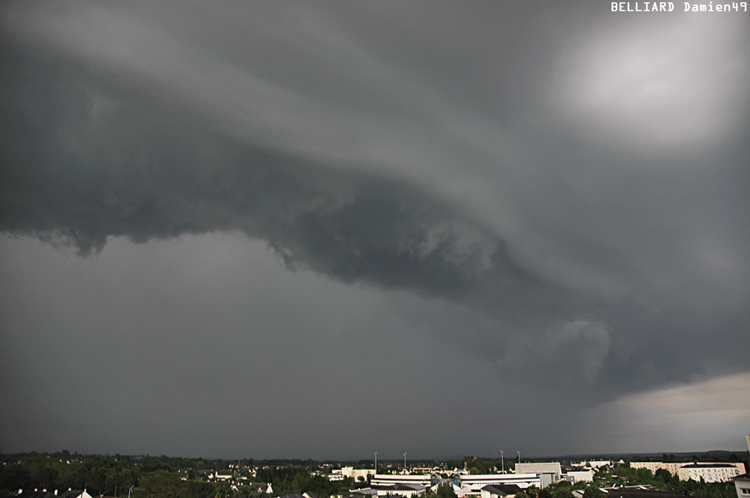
(325, 229)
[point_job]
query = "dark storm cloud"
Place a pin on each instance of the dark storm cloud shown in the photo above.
(564, 190)
(70, 176)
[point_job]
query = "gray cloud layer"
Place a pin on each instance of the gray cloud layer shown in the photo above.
(585, 229)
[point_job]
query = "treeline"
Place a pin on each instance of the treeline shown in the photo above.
(158, 477)
(706, 456)
(100, 476)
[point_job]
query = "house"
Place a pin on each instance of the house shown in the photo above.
(223, 475)
(261, 487)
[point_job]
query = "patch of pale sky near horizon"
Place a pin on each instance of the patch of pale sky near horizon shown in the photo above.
(701, 415)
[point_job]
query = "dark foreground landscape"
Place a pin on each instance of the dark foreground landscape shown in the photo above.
(73, 476)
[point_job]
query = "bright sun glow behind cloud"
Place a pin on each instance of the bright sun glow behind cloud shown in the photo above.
(667, 84)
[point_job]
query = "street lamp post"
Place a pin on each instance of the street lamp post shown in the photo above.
(376, 463)
(519, 456)
(502, 461)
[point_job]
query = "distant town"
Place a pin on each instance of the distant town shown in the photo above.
(62, 474)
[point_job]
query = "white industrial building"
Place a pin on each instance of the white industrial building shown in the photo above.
(472, 485)
(393, 479)
(548, 472)
(463, 485)
(405, 490)
(466, 485)
(540, 474)
(356, 473)
(540, 468)
(551, 472)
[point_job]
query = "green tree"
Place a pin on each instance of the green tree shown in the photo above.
(248, 492)
(475, 465)
(300, 482)
(46, 476)
(593, 491)
(224, 490)
(562, 492)
(162, 484)
(663, 475)
(445, 490)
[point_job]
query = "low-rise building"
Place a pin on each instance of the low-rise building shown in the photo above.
(471, 485)
(575, 476)
(464, 485)
(223, 475)
(299, 495)
(674, 468)
(742, 485)
(357, 473)
(403, 490)
(652, 466)
(391, 479)
(500, 491)
(709, 472)
(540, 468)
